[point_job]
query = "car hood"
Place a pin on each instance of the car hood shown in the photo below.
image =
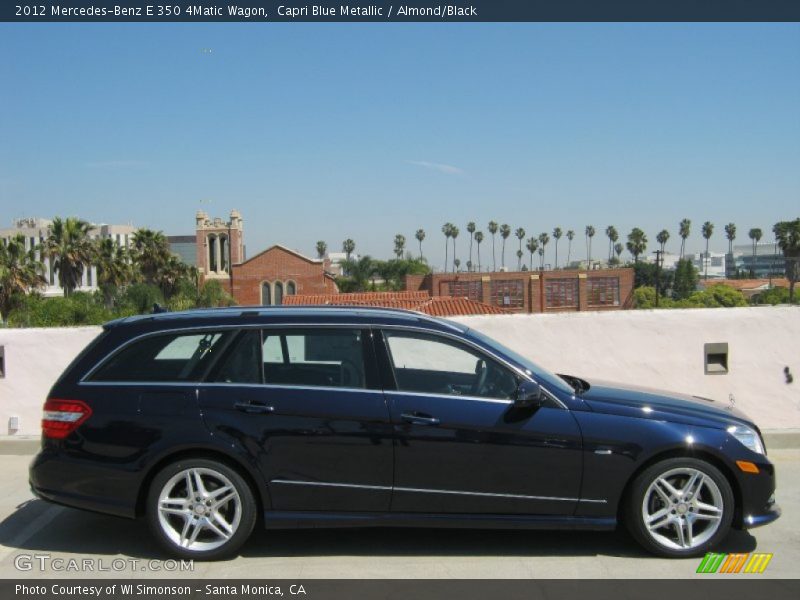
(642, 402)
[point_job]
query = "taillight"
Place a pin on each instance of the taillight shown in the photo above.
(62, 417)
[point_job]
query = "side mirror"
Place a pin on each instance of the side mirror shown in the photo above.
(529, 394)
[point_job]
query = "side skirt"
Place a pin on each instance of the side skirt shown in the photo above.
(309, 519)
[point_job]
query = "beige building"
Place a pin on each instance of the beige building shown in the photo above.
(35, 230)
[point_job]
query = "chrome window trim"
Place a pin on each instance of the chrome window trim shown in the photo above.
(246, 326)
(189, 330)
(433, 491)
(480, 349)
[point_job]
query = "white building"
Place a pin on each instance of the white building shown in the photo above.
(36, 231)
(337, 258)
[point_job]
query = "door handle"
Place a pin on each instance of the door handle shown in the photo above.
(254, 408)
(419, 419)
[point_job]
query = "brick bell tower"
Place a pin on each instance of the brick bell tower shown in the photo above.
(219, 245)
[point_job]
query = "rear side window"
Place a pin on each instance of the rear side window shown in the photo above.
(160, 358)
(318, 357)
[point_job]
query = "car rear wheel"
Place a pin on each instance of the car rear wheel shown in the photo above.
(200, 509)
(680, 507)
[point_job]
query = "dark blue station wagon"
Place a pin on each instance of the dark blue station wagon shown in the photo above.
(202, 421)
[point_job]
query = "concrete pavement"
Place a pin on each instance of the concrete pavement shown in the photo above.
(31, 529)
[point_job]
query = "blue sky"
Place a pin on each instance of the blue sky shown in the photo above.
(366, 130)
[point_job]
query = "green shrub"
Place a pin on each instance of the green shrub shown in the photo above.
(776, 295)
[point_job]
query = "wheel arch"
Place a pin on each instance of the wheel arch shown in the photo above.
(250, 476)
(697, 453)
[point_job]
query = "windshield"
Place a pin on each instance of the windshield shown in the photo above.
(542, 375)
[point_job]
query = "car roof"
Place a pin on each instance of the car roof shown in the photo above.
(328, 314)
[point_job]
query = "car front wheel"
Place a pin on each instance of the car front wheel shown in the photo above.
(680, 507)
(200, 509)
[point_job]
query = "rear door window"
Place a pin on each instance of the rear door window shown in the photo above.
(164, 358)
(314, 357)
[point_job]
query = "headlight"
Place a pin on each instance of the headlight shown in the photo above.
(748, 437)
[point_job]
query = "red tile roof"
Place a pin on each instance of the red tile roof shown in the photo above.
(747, 284)
(438, 306)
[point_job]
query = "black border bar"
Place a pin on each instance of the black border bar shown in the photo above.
(259, 11)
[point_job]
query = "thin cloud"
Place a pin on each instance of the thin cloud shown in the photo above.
(442, 168)
(115, 164)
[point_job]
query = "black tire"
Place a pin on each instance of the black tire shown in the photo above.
(658, 542)
(242, 506)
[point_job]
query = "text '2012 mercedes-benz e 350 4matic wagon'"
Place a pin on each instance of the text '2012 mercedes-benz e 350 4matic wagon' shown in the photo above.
(202, 421)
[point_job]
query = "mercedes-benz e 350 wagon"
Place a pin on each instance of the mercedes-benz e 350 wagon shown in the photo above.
(203, 421)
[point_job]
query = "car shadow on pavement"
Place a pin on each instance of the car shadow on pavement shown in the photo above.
(42, 527)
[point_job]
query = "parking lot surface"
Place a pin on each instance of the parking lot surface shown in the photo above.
(38, 540)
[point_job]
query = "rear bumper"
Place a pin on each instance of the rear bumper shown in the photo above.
(81, 484)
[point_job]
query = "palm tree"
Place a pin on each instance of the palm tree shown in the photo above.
(20, 273)
(755, 235)
(618, 248)
(348, 246)
(589, 235)
(613, 236)
(730, 233)
(359, 272)
(708, 231)
(557, 233)
(471, 231)
(69, 248)
(456, 264)
(114, 268)
(420, 235)
(544, 239)
(399, 245)
(505, 231)
(637, 243)
(570, 237)
(447, 230)
(170, 272)
(684, 229)
(478, 240)
(322, 248)
(492, 227)
(454, 234)
(532, 245)
(520, 233)
(787, 233)
(662, 238)
(150, 252)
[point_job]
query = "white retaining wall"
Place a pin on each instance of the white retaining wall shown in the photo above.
(662, 349)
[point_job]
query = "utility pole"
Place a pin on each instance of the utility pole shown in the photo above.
(659, 260)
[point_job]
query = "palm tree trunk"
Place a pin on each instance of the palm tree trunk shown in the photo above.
(556, 253)
(494, 257)
(706, 260)
(446, 248)
(454, 255)
(470, 251)
(503, 255)
(420, 249)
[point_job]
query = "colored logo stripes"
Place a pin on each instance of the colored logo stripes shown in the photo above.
(716, 562)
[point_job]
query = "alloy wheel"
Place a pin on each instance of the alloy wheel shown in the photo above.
(199, 509)
(682, 508)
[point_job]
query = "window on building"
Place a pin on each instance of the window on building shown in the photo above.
(278, 293)
(463, 289)
(603, 291)
(223, 252)
(174, 357)
(89, 275)
(266, 294)
(314, 357)
(507, 293)
(212, 253)
(561, 293)
(291, 288)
